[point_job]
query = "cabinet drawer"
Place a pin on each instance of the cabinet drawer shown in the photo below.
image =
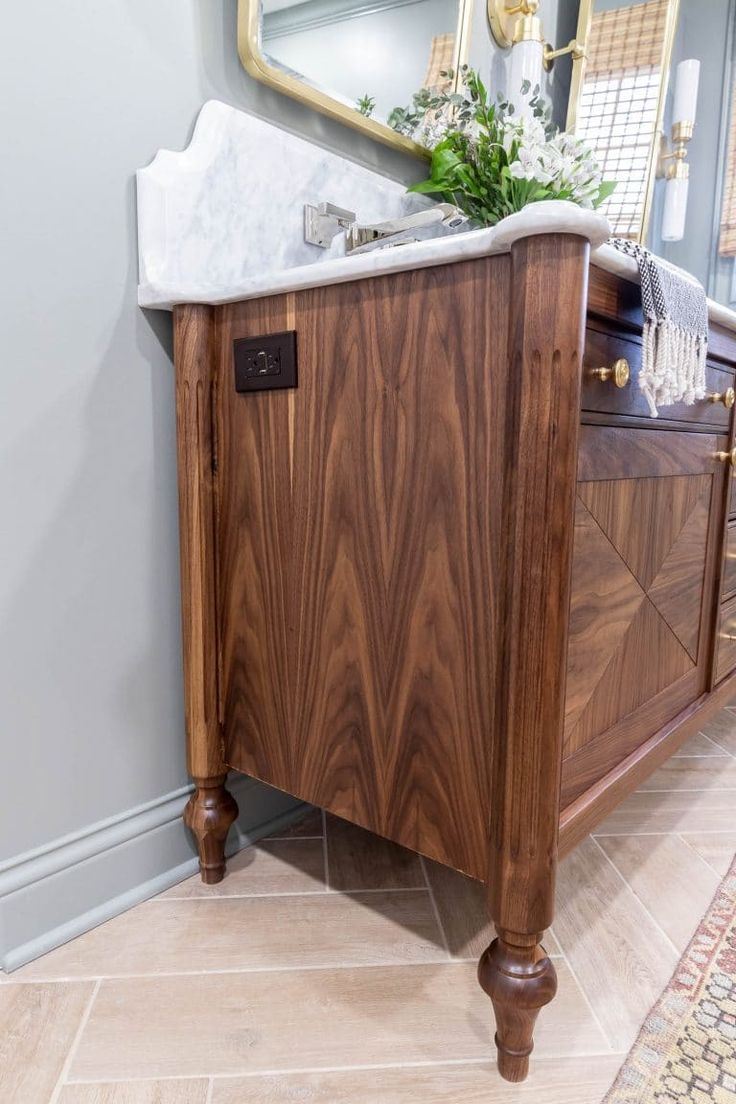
(641, 610)
(729, 564)
(732, 497)
(602, 349)
(726, 652)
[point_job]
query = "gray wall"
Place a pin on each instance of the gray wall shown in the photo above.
(91, 718)
(89, 637)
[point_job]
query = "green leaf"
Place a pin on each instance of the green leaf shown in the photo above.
(605, 190)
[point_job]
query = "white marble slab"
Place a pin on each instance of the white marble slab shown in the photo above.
(222, 220)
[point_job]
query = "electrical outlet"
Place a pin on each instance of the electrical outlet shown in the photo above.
(265, 363)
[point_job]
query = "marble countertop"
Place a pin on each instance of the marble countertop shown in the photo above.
(553, 216)
(549, 217)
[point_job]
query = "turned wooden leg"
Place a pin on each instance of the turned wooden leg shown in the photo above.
(209, 813)
(211, 809)
(519, 979)
(548, 279)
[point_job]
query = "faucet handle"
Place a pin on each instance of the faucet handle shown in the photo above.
(324, 222)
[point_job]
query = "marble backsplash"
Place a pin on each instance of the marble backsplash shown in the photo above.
(230, 205)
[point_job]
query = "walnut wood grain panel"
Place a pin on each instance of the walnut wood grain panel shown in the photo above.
(601, 581)
(607, 452)
(581, 814)
(726, 640)
(602, 348)
(728, 588)
(193, 352)
(360, 529)
(641, 599)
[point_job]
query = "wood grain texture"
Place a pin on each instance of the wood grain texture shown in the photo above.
(38, 1024)
(642, 591)
(728, 589)
(359, 542)
(137, 1092)
(211, 809)
(542, 420)
(726, 642)
(583, 814)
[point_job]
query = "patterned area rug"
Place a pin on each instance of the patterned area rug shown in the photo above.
(686, 1050)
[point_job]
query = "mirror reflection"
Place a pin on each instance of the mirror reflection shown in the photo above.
(621, 100)
(372, 56)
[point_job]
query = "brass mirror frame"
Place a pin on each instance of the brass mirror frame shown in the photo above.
(257, 65)
(585, 17)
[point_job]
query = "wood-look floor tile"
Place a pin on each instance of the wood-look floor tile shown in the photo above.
(550, 1081)
(252, 933)
(461, 904)
(698, 745)
(311, 824)
(681, 811)
(618, 954)
(358, 859)
(272, 866)
(305, 1019)
(670, 880)
(137, 1092)
(722, 730)
(717, 772)
(38, 1024)
(717, 848)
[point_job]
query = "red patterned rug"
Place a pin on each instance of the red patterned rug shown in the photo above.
(686, 1050)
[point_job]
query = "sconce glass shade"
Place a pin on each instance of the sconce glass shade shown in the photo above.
(525, 65)
(686, 91)
(675, 208)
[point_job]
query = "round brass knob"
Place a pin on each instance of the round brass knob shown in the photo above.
(727, 457)
(727, 397)
(619, 373)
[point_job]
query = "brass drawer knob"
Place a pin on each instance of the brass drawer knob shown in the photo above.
(619, 373)
(727, 457)
(727, 397)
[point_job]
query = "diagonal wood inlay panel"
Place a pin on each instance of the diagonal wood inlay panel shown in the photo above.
(649, 658)
(677, 589)
(660, 507)
(602, 582)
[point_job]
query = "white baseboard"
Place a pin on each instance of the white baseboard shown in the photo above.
(56, 892)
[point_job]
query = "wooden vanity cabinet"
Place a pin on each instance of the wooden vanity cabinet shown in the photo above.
(453, 586)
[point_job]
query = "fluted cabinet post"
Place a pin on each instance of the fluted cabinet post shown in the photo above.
(211, 809)
(548, 284)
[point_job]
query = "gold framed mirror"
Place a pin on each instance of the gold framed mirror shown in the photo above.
(617, 99)
(357, 61)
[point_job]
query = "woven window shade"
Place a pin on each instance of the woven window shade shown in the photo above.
(627, 38)
(440, 60)
(727, 239)
(618, 106)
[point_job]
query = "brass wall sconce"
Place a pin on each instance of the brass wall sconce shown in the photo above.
(518, 25)
(673, 163)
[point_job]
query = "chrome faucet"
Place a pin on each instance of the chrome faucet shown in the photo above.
(323, 223)
(398, 231)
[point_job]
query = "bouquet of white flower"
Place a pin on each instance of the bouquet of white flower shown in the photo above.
(493, 159)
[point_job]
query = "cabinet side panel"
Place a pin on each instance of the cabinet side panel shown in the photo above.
(359, 529)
